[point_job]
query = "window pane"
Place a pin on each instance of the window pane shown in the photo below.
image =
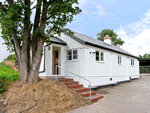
(69, 52)
(118, 59)
(131, 61)
(75, 56)
(102, 58)
(97, 53)
(69, 57)
(75, 52)
(102, 54)
(97, 56)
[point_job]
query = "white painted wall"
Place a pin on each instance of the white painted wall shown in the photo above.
(99, 73)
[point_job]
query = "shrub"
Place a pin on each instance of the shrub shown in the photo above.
(11, 57)
(6, 74)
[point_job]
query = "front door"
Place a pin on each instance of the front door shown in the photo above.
(56, 60)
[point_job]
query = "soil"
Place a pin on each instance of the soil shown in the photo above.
(2, 107)
(57, 98)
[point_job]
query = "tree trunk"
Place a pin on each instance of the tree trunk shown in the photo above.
(23, 68)
(36, 61)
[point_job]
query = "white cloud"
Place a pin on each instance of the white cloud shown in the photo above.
(136, 35)
(101, 11)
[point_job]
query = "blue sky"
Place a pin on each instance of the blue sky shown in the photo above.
(130, 19)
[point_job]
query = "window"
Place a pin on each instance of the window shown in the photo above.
(72, 54)
(132, 62)
(75, 54)
(119, 60)
(69, 55)
(99, 56)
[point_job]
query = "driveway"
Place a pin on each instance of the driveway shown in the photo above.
(128, 97)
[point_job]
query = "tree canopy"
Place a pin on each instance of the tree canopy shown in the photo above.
(21, 35)
(112, 34)
(145, 56)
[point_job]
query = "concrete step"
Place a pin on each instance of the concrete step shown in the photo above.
(94, 98)
(82, 90)
(86, 94)
(71, 83)
(75, 86)
(65, 80)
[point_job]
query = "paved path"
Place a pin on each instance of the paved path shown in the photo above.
(128, 97)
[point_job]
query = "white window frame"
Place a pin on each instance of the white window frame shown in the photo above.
(72, 59)
(119, 60)
(132, 62)
(100, 56)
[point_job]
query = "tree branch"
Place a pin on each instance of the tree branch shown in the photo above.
(36, 26)
(1, 7)
(44, 17)
(16, 43)
(26, 32)
(10, 2)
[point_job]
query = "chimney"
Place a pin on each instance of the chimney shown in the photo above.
(107, 39)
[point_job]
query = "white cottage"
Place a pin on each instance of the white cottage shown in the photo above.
(98, 61)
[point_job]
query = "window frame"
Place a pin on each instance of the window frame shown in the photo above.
(72, 54)
(132, 62)
(119, 60)
(99, 56)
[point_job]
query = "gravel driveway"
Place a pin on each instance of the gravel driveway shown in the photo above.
(128, 97)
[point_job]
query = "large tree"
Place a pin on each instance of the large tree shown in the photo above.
(145, 56)
(21, 34)
(112, 34)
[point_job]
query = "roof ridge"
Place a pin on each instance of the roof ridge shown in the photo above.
(89, 37)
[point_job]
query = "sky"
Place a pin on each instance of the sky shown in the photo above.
(130, 19)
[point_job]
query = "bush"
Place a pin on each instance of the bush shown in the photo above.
(6, 74)
(11, 57)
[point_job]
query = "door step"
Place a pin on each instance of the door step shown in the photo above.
(65, 80)
(85, 92)
(75, 86)
(82, 90)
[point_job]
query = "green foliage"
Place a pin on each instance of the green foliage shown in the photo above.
(11, 57)
(13, 19)
(59, 13)
(6, 74)
(112, 34)
(145, 56)
(144, 69)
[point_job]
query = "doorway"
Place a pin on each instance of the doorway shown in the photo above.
(56, 60)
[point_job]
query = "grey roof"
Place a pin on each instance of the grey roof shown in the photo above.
(57, 40)
(98, 43)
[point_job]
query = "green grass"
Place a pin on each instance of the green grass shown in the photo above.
(6, 74)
